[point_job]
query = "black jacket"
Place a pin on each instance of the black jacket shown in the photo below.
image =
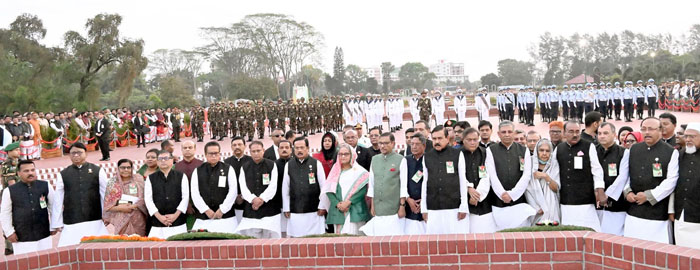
(103, 126)
(364, 157)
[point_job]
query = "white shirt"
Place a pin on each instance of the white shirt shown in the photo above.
(182, 206)
(666, 187)
(596, 169)
(403, 172)
(266, 195)
(57, 219)
(6, 209)
(226, 205)
(523, 182)
(463, 185)
(320, 177)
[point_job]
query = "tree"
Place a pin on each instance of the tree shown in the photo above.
(173, 91)
(371, 85)
(514, 72)
(415, 75)
(491, 79)
(387, 68)
(338, 70)
(356, 78)
(101, 47)
(551, 51)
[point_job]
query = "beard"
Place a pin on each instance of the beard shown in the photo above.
(690, 149)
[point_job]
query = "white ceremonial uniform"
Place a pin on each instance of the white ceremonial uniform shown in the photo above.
(224, 225)
(460, 104)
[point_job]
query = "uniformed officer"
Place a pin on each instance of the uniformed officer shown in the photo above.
(602, 98)
(9, 177)
(617, 100)
(424, 106)
(640, 100)
(628, 96)
(564, 98)
(580, 102)
(650, 95)
(554, 103)
(543, 99)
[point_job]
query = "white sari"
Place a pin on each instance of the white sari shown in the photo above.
(538, 193)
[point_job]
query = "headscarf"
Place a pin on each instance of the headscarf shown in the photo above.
(332, 153)
(636, 134)
(333, 178)
(537, 161)
(538, 194)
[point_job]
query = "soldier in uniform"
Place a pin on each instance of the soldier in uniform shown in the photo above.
(249, 115)
(223, 121)
(292, 109)
(232, 115)
(271, 116)
(214, 120)
(9, 177)
(260, 118)
(424, 106)
(281, 115)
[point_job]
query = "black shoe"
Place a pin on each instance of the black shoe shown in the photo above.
(221, 139)
(200, 140)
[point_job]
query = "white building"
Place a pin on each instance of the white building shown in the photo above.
(374, 72)
(448, 71)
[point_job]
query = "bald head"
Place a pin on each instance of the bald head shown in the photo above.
(188, 150)
(350, 137)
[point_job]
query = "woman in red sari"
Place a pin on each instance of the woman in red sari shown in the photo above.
(328, 152)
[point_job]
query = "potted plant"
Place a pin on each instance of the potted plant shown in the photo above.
(49, 150)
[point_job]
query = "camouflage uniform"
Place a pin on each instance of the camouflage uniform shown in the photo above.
(304, 116)
(223, 121)
(232, 115)
(260, 119)
(272, 115)
(425, 109)
(9, 177)
(246, 119)
(213, 120)
(281, 115)
(292, 115)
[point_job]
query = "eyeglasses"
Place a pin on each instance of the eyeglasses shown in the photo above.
(689, 137)
(76, 153)
(344, 154)
(276, 136)
(125, 168)
(163, 158)
(212, 154)
(645, 129)
(630, 141)
(555, 131)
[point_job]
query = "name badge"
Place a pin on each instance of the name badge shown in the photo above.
(612, 169)
(450, 167)
(656, 170)
(266, 179)
(312, 179)
(416, 177)
(222, 181)
(132, 189)
(578, 163)
(482, 171)
(42, 202)
(522, 164)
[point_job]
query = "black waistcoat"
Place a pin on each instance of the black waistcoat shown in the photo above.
(209, 190)
(507, 162)
(576, 185)
(236, 164)
(167, 194)
(303, 196)
(473, 162)
(414, 188)
(30, 221)
(687, 187)
(642, 179)
(82, 194)
(254, 181)
(442, 188)
(612, 157)
(277, 200)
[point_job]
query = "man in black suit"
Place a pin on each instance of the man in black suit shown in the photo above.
(364, 158)
(103, 130)
(272, 153)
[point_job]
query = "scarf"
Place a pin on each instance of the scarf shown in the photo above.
(360, 174)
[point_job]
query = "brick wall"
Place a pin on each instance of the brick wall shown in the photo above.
(548, 250)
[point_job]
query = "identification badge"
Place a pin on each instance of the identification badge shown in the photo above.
(482, 171)
(450, 167)
(612, 169)
(42, 202)
(416, 177)
(222, 181)
(132, 189)
(312, 179)
(266, 179)
(578, 163)
(656, 170)
(522, 164)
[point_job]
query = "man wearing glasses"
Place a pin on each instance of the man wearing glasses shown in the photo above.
(258, 182)
(272, 153)
(166, 194)
(653, 173)
(214, 190)
(79, 197)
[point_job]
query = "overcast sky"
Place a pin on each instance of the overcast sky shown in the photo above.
(477, 33)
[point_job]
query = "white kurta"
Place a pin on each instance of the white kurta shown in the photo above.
(645, 229)
(686, 233)
(580, 215)
(445, 221)
(271, 224)
(413, 227)
(227, 225)
(510, 216)
(612, 222)
(71, 234)
(165, 232)
(302, 224)
(482, 223)
(383, 225)
(8, 228)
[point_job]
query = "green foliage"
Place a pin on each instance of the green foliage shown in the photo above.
(73, 130)
(48, 134)
(252, 88)
(207, 236)
(491, 79)
(415, 75)
(514, 72)
(548, 229)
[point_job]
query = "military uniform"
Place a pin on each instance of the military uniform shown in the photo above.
(247, 122)
(281, 115)
(272, 112)
(9, 177)
(232, 115)
(260, 119)
(425, 109)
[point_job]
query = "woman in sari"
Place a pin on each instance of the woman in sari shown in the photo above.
(150, 165)
(543, 189)
(124, 206)
(327, 156)
(346, 187)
